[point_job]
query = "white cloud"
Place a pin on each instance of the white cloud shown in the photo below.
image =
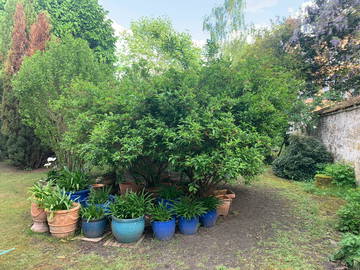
(254, 6)
(118, 28)
(300, 13)
(199, 43)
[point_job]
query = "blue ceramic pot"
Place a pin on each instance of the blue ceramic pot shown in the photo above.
(105, 206)
(127, 230)
(209, 219)
(188, 226)
(164, 230)
(93, 228)
(168, 203)
(79, 196)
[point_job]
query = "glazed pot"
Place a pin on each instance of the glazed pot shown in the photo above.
(209, 219)
(93, 228)
(224, 208)
(79, 196)
(127, 230)
(188, 226)
(63, 223)
(128, 186)
(39, 218)
(164, 230)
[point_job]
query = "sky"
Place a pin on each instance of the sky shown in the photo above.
(188, 15)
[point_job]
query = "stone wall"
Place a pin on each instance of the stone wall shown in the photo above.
(340, 132)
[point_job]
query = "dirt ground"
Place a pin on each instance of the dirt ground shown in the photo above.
(273, 224)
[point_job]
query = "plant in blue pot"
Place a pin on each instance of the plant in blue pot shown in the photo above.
(168, 195)
(100, 197)
(162, 221)
(93, 221)
(209, 218)
(75, 183)
(188, 210)
(127, 214)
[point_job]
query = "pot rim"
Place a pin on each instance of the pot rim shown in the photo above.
(129, 220)
(191, 219)
(93, 220)
(76, 206)
(168, 221)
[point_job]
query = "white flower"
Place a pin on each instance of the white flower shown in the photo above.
(51, 159)
(47, 165)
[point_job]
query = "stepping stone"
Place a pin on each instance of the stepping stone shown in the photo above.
(94, 240)
(112, 242)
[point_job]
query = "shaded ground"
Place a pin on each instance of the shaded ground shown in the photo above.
(274, 224)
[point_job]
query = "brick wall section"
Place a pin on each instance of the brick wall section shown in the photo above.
(339, 130)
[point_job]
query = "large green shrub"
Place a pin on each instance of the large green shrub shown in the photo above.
(301, 158)
(342, 174)
(349, 251)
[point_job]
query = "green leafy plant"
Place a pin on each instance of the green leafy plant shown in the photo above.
(161, 213)
(170, 192)
(342, 174)
(131, 205)
(99, 196)
(210, 203)
(189, 208)
(92, 212)
(349, 214)
(39, 192)
(57, 200)
(349, 251)
(72, 181)
(301, 158)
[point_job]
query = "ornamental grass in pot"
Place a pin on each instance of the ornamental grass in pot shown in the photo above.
(127, 213)
(211, 204)
(62, 213)
(93, 221)
(162, 221)
(100, 197)
(188, 210)
(38, 192)
(169, 194)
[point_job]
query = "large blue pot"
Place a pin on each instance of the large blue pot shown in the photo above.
(79, 196)
(127, 230)
(188, 226)
(209, 219)
(93, 228)
(164, 230)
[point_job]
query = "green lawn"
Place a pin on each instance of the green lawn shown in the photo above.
(305, 243)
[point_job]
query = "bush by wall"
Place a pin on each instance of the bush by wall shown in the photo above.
(342, 174)
(301, 158)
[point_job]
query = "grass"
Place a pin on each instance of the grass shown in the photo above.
(300, 244)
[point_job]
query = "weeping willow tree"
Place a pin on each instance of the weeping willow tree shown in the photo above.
(226, 22)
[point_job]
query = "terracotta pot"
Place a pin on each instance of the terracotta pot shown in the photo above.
(39, 218)
(223, 209)
(63, 223)
(98, 186)
(230, 194)
(128, 186)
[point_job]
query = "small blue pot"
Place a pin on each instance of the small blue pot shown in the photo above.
(164, 230)
(105, 206)
(188, 226)
(127, 230)
(79, 196)
(209, 219)
(93, 228)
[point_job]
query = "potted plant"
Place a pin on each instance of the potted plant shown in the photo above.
(169, 194)
(126, 186)
(127, 213)
(162, 222)
(93, 221)
(224, 207)
(76, 184)
(188, 210)
(211, 204)
(62, 213)
(38, 193)
(99, 197)
(230, 194)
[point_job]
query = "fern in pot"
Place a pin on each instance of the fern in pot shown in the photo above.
(189, 209)
(211, 204)
(62, 213)
(162, 221)
(38, 192)
(127, 213)
(93, 221)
